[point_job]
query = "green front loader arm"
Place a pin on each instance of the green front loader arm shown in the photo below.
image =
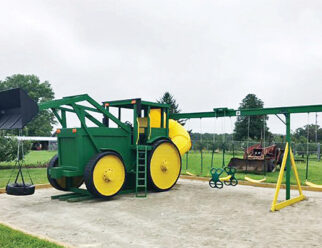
(71, 105)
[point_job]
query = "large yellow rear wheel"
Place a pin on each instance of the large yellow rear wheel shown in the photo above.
(105, 174)
(164, 165)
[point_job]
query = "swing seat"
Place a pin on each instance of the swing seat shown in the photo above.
(225, 179)
(313, 185)
(20, 189)
(254, 180)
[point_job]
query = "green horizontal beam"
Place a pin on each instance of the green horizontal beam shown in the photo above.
(128, 102)
(193, 115)
(63, 101)
(118, 103)
(155, 104)
(225, 112)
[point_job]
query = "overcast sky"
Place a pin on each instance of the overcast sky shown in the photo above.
(206, 53)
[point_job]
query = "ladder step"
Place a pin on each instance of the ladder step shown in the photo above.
(141, 196)
(141, 171)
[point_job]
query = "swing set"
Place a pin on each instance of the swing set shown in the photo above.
(288, 158)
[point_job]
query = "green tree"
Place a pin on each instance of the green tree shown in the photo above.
(9, 148)
(256, 123)
(169, 99)
(42, 124)
(314, 132)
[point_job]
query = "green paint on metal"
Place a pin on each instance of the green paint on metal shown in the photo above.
(226, 112)
(288, 161)
(141, 171)
(76, 146)
(54, 197)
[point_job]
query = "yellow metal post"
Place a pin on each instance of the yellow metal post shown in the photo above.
(275, 205)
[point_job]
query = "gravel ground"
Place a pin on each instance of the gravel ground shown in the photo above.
(190, 215)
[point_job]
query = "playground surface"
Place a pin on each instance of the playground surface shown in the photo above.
(190, 215)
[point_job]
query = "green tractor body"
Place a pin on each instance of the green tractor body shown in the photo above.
(110, 155)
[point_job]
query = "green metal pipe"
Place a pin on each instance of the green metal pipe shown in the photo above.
(288, 161)
(225, 112)
(72, 100)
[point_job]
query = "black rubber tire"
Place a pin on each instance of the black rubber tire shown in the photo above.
(150, 181)
(212, 184)
(233, 182)
(88, 174)
(219, 184)
(54, 163)
(20, 189)
(227, 183)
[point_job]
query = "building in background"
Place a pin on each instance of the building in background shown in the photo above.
(41, 143)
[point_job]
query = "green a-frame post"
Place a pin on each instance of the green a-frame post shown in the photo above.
(286, 111)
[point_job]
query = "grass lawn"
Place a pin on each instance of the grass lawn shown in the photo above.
(194, 167)
(42, 157)
(38, 175)
(34, 158)
(10, 238)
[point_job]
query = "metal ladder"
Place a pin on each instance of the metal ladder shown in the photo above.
(141, 171)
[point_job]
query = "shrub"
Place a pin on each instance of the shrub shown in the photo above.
(9, 148)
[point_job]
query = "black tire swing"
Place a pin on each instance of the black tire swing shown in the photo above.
(17, 109)
(20, 188)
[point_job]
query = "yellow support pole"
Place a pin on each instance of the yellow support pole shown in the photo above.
(275, 205)
(280, 178)
(289, 202)
(296, 173)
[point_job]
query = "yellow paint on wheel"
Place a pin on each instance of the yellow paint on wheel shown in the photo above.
(109, 175)
(165, 165)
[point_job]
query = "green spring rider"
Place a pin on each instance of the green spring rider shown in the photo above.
(218, 182)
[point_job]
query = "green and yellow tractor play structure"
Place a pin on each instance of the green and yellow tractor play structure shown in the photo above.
(127, 157)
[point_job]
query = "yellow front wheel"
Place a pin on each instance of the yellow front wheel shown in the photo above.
(105, 174)
(164, 165)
